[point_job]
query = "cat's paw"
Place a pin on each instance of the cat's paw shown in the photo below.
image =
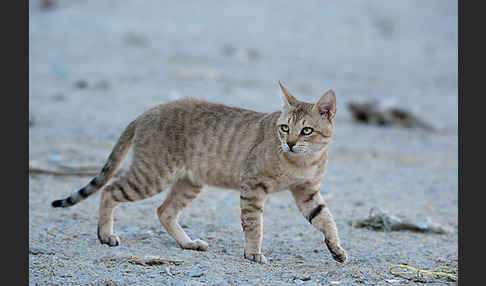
(259, 258)
(339, 255)
(197, 244)
(109, 239)
(337, 252)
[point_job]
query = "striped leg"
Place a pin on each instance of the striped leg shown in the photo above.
(182, 193)
(251, 204)
(311, 204)
(105, 220)
(136, 184)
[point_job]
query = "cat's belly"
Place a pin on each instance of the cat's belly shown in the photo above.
(215, 173)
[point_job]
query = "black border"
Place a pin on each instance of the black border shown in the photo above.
(471, 151)
(460, 141)
(15, 140)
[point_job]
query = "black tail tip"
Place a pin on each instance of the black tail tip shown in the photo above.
(57, 203)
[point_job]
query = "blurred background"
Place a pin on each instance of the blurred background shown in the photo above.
(96, 65)
(134, 54)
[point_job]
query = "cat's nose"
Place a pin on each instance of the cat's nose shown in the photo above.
(291, 144)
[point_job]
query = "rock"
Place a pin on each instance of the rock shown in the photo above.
(385, 113)
(47, 4)
(167, 271)
(252, 54)
(81, 84)
(228, 50)
(300, 257)
(35, 250)
(152, 260)
(380, 220)
(196, 273)
(135, 39)
(58, 96)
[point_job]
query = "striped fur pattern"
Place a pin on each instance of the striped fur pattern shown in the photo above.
(187, 144)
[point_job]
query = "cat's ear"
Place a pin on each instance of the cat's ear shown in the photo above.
(326, 105)
(287, 98)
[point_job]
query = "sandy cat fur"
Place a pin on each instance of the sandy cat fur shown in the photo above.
(187, 144)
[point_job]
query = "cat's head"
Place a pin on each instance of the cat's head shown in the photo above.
(303, 127)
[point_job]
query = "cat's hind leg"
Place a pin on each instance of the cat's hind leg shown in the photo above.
(138, 183)
(182, 193)
(105, 220)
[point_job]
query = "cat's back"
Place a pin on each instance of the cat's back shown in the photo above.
(211, 139)
(188, 113)
(196, 115)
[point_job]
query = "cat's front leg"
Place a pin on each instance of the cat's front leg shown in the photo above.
(251, 204)
(311, 204)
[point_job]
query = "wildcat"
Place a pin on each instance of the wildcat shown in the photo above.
(189, 143)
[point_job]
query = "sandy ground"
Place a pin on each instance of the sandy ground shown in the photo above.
(95, 65)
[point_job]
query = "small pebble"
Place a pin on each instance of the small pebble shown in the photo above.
(252, 54)
(58, 96)
(47, 4)
(196, 273)
(228, 50)
(35, 250)
(167, 270)
(81, 84)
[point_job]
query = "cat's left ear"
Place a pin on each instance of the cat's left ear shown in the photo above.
(288, 98)
(326, 105)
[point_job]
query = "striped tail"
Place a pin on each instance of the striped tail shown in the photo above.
(113, 163)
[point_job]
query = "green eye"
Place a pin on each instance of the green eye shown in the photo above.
(306, 131)
(285, 128)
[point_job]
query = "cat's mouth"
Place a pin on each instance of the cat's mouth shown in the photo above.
(297, 150)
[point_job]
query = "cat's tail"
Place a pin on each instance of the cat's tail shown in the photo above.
(113, 163)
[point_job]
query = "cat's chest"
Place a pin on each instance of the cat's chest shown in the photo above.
(288, 176)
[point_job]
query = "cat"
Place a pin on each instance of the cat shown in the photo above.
(189, 143)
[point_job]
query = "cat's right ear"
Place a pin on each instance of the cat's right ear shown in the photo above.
(326, 105)
(287, 98)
